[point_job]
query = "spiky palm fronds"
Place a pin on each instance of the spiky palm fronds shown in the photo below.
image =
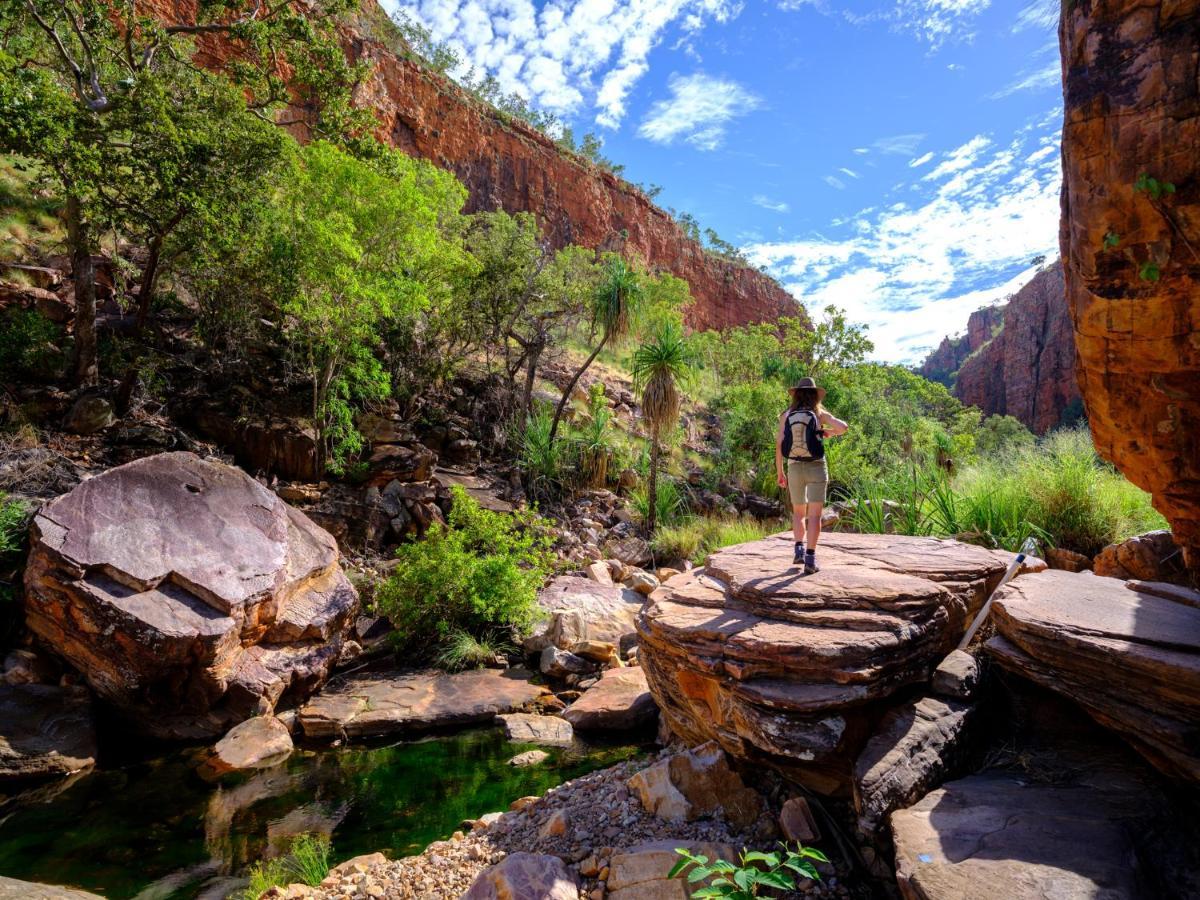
(616, 299)
(660, 366)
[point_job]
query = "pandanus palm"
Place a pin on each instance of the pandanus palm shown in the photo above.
(661, 366)
(614, 307)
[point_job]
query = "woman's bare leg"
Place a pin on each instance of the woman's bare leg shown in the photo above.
(798, 523)
(813, 516)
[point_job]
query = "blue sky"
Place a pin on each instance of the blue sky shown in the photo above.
(898, 158)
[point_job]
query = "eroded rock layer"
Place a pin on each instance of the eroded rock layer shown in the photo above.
(788, 669)
(1127, 652)
(186, 592)
(1131, 246)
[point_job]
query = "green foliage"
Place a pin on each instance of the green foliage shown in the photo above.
(1111, 240)
(29, 344)
(542, 459)
(669, 502)
(660, 367)
(463, 650)
(306, 862)
(1152, 187)
(593, 440)
(1149, 271)
(755, 873)
(1002, 434)
(479, 574)
(13, 520)
(697, 537)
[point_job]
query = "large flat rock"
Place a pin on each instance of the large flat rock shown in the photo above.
(372, 705)
(619, 701)
(790, 670)
(12, 889)
(1127, 653)
(45, 731)
(156, 578)
(579, 609)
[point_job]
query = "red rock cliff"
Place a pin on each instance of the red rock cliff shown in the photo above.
(1017, 359)
(508, 165)
(1132, 107)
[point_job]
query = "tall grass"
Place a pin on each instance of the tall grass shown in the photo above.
(670, 502)
(463, 650)
(696, 538)
(306, 862)
(1058, 491)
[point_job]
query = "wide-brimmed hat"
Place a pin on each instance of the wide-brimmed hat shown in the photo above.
(807, 384)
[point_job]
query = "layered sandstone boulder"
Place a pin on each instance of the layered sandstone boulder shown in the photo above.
(1128, 653)
(186, 593)
(792, 670)
(1132, 247)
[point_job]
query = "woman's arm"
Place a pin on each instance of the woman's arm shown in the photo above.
(780, 471)
(833, 426)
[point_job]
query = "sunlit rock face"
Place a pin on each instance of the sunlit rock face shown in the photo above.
(1132, 109)
(186, 593)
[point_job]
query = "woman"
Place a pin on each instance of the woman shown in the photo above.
(800, 440)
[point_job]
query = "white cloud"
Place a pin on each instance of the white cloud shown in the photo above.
(699, 109)
(861, 151)
(849, 172)
(1041, 14)
(834, 182)
(920, 160)
(939, 21)
(899, 144)
(766, 202)
(914, 271)
(565, 55)
(1049, 76)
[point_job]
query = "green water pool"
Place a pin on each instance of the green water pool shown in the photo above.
(154, 830)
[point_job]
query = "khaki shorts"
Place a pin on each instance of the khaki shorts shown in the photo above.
(807, 481)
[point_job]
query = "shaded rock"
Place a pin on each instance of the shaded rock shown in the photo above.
(790, 670)
(525, 876)
(632, 551)
(957, 676)
(254, 744)
(916, 747)
(524, 728)
(796, 821)
(277, 445)
(992, 837)
(45, 731)
(579, 609)
(640, 872)
(529, 758)
(369, 705)
(188, 594)
(1067, 560)
(1152, 556)
(12, 889)
(1131, 658)
(561, 663)
(89, 414)
(619, 701)
(30, 667)
(695, 783)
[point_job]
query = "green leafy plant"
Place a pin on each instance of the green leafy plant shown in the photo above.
(463, 650)
(1149, 271)
(13, 520)
(756, 872)
(1111, 240)
(542, 459)
(668, 503)
(1152, 187)
(660, 366)
(697, 537)
(29, 344)
(306, 862)
(478, 574)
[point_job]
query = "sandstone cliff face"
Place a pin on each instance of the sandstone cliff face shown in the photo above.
(508, 165)
(944, 362)
(1132, 107)
(1028, 369)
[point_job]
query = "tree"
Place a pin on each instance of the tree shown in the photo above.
(615, 304)
(356, 243)
(833, 343)
(88, 89)
(660, 365)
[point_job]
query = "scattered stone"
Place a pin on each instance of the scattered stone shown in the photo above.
(89, 414)
(797, 823)
(522, 803)
(602, 652)
(523, 728)
(374, 704)
(632, 551)
(696, 783)
(194, 601)
(619, 701)
(599, 573)
(30, 667)
(45, 731)
(525, 876)
(557, 824)
(1131, 658)
(665, 574)
(1067, 560)
(957, 676)
(254, 744)
(915, 748)
(358, 864)
(1153, 556)
(642, 582)
(561, 663)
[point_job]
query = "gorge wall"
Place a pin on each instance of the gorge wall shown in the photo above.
(1017, 359)
(1132, 109)
(508, 165)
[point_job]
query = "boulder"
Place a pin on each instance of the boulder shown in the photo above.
(695, 783)
(792, 671)
(796, 821)
(188, 594)
(1152, 556)
(371, 705)
(598, 652)
(561, 663)
(579, 609)
(254, 744)
(524, 728)
(619, 701)
(1067, 560)
(599, 573)
(525, 876)
(632, 551)
(279, 445)
(12, 889)
(914, 749)
(45, 731)
(641, 872)
(529, 758)
(642, 582)
(1130, 657)
(957, 676)
(994, 837)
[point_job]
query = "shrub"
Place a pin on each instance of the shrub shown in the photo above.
(670, 502)
(755, 873)
(696, 538)
(465, 651)
(13, 520)
(306, 862)
(542, 458)
(28, 344)
(479, 574)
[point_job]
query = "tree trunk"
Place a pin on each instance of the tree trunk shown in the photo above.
(562, 404)
(320, 411)
(531, 361)
(83, 274)
(129, 380)
(652, 491)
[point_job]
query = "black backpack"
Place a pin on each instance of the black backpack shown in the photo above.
(802, 433)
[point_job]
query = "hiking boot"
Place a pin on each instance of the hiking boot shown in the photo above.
(810, 564)
(799, 557)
